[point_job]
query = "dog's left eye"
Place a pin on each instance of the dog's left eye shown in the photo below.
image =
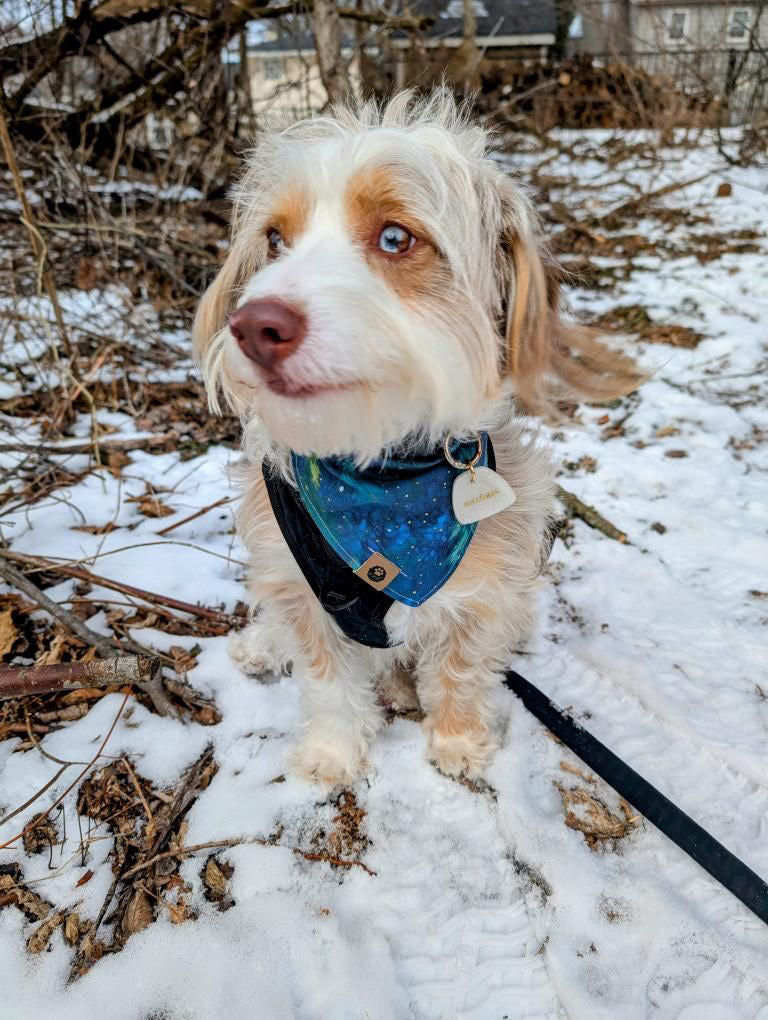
(396, 240)
(275, 242)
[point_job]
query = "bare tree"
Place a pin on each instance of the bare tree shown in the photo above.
(326, 26)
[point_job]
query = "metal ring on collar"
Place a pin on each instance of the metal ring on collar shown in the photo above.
(460, 464)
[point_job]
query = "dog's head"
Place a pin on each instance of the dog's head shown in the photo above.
(386, 279)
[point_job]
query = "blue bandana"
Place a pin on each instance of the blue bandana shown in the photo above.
(391, 522)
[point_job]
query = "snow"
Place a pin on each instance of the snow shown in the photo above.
(484, 904)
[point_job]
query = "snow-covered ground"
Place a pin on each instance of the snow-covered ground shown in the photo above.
(484, 904)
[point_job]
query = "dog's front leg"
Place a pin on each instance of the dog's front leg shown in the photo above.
(459, 665)
(342, 714)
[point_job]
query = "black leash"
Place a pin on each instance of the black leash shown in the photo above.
(666, 816)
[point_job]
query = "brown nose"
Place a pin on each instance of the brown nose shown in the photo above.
(267, 331)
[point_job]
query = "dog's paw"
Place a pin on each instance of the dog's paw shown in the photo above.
(460, 754)
(252, 652)
(329, 761)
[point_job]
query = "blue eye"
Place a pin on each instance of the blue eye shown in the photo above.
(275, 242)
(395, 240)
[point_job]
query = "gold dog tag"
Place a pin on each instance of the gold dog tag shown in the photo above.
(479, 493)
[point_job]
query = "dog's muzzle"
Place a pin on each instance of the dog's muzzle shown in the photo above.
(267, 331)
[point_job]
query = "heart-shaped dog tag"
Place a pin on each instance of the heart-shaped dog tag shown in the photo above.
(481, 496)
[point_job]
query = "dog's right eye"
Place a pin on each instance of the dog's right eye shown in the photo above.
(275, 243)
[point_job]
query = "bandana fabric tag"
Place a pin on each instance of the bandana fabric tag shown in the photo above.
(480, 493)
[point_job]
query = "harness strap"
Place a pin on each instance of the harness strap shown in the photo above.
(676, 825)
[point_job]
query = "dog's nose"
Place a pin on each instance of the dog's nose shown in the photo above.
(267, 331)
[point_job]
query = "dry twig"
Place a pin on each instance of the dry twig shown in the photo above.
(590, 516)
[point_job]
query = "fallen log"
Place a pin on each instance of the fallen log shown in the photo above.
(19, 681)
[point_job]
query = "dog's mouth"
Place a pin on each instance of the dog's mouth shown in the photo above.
(302, 390)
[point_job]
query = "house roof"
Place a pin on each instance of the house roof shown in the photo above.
(499, 22)
(495, 18)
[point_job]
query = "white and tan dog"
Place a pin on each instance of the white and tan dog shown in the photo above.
(387, 283)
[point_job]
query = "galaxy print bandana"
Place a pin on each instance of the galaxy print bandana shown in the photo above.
(392, 522)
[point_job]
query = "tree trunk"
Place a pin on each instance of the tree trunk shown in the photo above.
(464, 64)
(327, 30)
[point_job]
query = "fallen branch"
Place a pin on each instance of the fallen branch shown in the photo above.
(195, 515)
(104, 582)
(590, 516)
(630, 206)
(219, 844)
(16, 579)
(106, 442)
(105, 647)
(19, 681)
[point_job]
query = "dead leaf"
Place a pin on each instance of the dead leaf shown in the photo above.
(34, 906)
(724, 189)
(9, 634)
(215, 879)
(92, 950)
(183, 659)
(84, 878)
(88, 273)
(216, 876)
(117, 460)
(152, 507)
(72, 928)
(179, 911)
(586, 812)
(53, 654)
(39, 939)
(95, 529)
(138, 913)
(39, 834)
(149, 502)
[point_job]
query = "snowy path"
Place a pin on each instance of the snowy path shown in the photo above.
(484, 904)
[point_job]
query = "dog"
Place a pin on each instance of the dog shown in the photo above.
(388, 292)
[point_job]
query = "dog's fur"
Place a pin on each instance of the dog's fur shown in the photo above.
(441, 339)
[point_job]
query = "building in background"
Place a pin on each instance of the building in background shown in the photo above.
(710, 47)
(283, 69)
(641, 28)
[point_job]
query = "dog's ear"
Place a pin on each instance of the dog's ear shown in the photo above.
(208, 329)
(549, 360)
(215, 304)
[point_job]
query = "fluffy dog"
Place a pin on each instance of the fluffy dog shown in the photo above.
(387, 286)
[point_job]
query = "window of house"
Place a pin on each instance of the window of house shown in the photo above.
(273, 68)
(739, 24)
(677, 26)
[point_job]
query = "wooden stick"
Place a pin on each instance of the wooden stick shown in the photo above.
(106, 647)
(590, 516)
(107, 442)
(104, 582)
(20, 681)
(73, 623)
(195, 515)
(218, 844)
